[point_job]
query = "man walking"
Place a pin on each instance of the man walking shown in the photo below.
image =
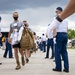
(14, 31)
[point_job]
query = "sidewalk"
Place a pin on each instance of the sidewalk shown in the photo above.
(36, 66)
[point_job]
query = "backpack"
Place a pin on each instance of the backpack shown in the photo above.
(3, 39)
(27, 41)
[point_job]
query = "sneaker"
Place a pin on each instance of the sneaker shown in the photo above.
(27, 60)
(18, 67)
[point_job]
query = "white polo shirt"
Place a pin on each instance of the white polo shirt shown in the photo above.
(43, 38)
(49, 34)
(62, 27)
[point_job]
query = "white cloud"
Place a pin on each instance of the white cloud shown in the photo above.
(38, 18)
(71, 25)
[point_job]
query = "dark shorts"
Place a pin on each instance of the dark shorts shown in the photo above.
(17, 45)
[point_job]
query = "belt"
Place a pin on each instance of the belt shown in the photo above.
(61, 32)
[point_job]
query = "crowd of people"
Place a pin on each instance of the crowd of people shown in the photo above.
(13, 41)
(55, 38)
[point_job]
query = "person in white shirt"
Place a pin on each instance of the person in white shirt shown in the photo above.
(40, 43)
(61, 43)
(50, 43)
(60, 50)
(43, 42)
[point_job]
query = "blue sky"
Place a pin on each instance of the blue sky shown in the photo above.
(38, 13)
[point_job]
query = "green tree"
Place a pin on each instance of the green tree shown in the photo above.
(71, 34)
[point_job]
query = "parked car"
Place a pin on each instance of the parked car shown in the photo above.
(73, 43)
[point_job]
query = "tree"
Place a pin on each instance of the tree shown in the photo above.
(71, 34)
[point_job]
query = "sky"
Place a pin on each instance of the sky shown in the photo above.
(38, 13)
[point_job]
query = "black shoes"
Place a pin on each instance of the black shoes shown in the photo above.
(51, 57)
(46, 57)
(66, 70)
(54, 69)
(4, 56)
(0, 63)
(11, 57)
(27, 60)
(61, 70)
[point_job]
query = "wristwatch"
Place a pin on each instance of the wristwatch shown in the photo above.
(59, 19)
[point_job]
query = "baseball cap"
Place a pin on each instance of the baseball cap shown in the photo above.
(0, 18)
(59, 8)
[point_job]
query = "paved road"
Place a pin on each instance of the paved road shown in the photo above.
(37, 65)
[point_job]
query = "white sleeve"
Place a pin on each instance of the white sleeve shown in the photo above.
(54, 24)
(47, 31)
(20, 33)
